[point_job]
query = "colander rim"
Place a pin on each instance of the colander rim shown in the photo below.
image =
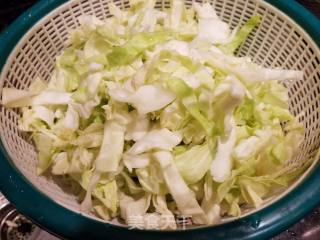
(50, 215)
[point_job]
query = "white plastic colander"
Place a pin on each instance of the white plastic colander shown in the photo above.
(278, 42)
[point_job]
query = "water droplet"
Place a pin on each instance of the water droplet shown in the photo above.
(292, 233)
(255, 223)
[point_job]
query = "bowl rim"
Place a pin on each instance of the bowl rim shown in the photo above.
(52, 216)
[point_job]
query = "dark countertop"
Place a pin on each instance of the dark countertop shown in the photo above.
(306, 229)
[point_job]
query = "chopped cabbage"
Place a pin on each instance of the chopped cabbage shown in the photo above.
(152, 115)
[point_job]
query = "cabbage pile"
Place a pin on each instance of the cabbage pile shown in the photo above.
(151, 114)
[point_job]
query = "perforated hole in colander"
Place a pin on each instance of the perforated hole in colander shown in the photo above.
(278, 42)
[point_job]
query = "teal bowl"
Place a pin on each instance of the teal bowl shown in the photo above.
(68, 224)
